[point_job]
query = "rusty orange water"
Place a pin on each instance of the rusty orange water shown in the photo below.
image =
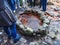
(31, 20)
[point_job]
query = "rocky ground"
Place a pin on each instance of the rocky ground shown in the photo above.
(53, 38)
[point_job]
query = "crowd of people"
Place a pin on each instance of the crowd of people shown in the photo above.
(42, 4)
(32, 3)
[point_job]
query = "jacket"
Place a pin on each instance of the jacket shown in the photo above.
(7, 18)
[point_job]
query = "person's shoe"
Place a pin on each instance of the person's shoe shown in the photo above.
(16, 7)
(14, 11)
(39, 7)
(43, 10)
(17, 38)
(20, 7)
(9, 37)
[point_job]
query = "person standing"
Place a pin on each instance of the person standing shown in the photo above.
(7, 21)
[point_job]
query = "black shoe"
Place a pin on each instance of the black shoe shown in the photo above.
(9, 37)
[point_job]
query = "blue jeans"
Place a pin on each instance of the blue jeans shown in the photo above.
(11, 4)
(43, 4)
(31, 3)
(17, 3)
(11, 31)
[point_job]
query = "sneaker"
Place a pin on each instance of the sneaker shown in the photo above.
(14, 11)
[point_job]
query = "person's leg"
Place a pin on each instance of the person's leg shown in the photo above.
(24, 3)
(40, 3)
(31, 3)
(18, 3)
(34, 2)
(13, 5)
(21, 3)
(14, 33)
(8, 32)
(44, 5)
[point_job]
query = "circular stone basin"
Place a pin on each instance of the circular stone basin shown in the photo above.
(33, 24)
(31, 20)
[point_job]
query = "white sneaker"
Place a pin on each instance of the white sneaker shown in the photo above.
(16, 7)
(14, 11)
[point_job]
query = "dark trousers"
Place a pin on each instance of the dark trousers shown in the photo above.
(11, 4)
(40, 3)
(43, 4)
(34, 2)
(11, 30)
(31, 3)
